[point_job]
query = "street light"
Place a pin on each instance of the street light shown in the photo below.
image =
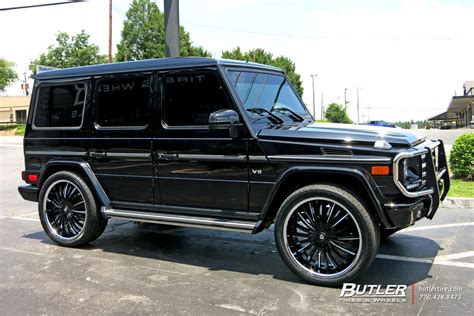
(314, 103)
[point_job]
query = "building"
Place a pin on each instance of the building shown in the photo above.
(14, 109)
(460, 110)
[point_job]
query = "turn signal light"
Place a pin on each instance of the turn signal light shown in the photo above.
(380, 170)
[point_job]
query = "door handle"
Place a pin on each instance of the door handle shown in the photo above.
(167, 157)
(98, 154)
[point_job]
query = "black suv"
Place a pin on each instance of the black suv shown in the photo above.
(225, 145)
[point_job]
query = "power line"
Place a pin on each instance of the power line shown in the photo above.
(41, 5)
(328, 37)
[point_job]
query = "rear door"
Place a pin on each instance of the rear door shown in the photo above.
(120, 146)
(197, 167)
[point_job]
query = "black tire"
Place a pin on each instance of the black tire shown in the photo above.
(328, 264)
(68, 210)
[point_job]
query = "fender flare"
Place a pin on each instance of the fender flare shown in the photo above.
(365, 179)
(87, 172)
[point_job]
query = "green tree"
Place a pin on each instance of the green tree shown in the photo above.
(70, 52)
(143, 34)
(262, 57)
(7, 74)
(336, 113)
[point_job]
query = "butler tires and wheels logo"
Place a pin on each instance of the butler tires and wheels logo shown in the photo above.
(397, 293)
(373, 293)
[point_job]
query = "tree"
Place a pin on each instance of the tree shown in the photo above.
(261, 56)
(143, 34)
(336, 113)
(7, 74)
(70, 52)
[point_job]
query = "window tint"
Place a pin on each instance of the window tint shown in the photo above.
(190, 96)
(268, 91)
(60, 106)
(123, 100)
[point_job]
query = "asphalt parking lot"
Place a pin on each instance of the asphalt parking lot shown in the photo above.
(150, 269)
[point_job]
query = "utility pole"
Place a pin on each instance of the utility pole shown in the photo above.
(314, 102)
(110, 31)
(358, 121)
(345, 100)
(172, 28)
(322, 106)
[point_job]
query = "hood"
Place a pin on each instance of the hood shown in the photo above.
(347, 133)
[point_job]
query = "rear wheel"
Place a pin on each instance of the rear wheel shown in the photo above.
(68, 211)
(325, 235)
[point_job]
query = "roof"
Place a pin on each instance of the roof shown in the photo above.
(459, 103)
(445, 116)
(147, 65)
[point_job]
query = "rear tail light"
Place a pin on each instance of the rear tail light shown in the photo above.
(29, 177)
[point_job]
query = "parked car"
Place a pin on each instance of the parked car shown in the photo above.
(381, 123)
(224, 145)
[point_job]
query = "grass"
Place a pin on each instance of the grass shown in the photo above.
(461, 188)
(18, 129)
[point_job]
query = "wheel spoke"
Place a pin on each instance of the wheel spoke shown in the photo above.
(342, 218)
(341, 248)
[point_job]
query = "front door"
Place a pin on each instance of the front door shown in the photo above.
(200, 169)
(120, 146)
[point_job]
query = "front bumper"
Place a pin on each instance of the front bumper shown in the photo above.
(423, 203)
(29, 192)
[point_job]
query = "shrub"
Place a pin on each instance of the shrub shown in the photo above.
(462, 157)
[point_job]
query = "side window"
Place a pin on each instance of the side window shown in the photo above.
(122, 100)
(60, 106)
(190, 96)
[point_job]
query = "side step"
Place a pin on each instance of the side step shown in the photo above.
(180, 220)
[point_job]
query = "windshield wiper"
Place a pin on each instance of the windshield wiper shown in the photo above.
(298, 117)
(262, 110)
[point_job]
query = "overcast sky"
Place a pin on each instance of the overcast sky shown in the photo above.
(407, 57)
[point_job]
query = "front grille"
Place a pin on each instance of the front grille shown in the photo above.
(423, 172)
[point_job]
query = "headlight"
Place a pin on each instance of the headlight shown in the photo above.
(411, 173)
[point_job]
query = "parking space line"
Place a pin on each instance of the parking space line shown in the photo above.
(22, 251)
(25, 218)
(438, 261)
(438, 226)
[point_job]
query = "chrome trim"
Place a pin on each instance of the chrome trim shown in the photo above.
(395, 172)
(55, 153)
(180, 220)
(126, 155)
(339, 158)
(212, 157)
(440, 174)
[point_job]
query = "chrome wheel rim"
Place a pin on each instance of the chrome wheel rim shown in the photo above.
(65, 210)
(322, 237)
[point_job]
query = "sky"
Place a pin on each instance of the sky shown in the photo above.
(407, 58)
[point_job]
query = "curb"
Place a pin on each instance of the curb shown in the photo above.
(458, 202)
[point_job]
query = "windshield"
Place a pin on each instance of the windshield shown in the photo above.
(265, 91)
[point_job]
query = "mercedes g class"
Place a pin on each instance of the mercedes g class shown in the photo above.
(227, 145)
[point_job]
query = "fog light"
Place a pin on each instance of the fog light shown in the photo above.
(412, 186)
(418, 214)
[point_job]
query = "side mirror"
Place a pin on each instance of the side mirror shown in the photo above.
(223, 118)
(226, 119)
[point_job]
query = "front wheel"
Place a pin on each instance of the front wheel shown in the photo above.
(325, 235)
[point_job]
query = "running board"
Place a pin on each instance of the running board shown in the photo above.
(180, 220)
